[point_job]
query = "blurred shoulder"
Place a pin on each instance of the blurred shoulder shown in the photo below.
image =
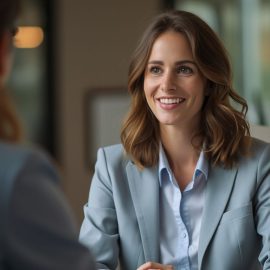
(12, 151)
(17, 159)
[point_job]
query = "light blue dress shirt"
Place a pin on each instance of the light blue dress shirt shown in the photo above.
(181, 215)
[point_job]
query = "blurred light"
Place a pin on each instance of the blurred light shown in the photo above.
(28, 37)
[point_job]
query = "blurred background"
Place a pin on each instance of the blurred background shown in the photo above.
(70, 71)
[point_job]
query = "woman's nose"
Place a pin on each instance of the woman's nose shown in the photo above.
(168, 82)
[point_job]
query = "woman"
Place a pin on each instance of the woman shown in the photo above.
(37, 227)
(188, 188)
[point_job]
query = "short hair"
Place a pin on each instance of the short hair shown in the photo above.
(224, 129)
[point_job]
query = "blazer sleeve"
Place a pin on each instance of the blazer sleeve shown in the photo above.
(99, 230)
(41, 232)
(262, 206)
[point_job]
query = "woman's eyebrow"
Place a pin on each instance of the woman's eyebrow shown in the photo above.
(158, 62)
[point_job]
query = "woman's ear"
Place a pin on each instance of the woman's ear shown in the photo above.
(5, 41)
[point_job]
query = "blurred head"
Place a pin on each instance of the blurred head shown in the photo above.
(10, 129)
(220, 121)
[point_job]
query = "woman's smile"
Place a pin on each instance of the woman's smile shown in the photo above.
(169, 103)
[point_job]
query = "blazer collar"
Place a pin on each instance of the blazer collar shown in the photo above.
(144, 189)
(218, 190)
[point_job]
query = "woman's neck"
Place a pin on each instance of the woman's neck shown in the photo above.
(181, 143)
(182, 151)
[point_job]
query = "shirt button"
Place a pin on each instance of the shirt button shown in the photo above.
(184, 235)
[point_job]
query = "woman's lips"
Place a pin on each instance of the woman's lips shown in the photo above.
(170, 103)
(171, 100)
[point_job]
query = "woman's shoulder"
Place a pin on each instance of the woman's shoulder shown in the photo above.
(258, 146)
(259, 152)
(114, 155)
(115, 150)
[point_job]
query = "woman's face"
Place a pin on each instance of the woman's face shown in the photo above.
(173, 85)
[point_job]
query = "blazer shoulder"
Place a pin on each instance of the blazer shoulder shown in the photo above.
(258, 146)
(259, 154)
(113, 155)
(115, 151)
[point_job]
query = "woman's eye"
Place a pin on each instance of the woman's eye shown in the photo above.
(155, 70)
(184, 70)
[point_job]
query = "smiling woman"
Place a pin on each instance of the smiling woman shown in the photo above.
(188, 175)
(206, 63)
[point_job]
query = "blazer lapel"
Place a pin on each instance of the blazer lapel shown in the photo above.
(144, 188)
(219, 186)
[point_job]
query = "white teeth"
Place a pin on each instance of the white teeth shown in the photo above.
(171, 100)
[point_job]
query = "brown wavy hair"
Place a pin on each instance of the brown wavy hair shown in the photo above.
(224, 129)
(10, 126)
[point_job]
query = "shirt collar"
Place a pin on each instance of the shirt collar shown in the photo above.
(201, 167)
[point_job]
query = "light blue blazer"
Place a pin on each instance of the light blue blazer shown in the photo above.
(122, 215)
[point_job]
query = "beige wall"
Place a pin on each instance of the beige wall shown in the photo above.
(94, 42)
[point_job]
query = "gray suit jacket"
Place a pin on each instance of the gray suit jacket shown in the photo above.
(37, 229)
(122, 214)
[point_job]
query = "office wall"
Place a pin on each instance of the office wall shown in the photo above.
(94, 41)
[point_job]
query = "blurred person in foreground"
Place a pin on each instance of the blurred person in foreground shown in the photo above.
(37, 228)
(189, 188)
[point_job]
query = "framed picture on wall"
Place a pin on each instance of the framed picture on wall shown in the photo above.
(105, 109)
